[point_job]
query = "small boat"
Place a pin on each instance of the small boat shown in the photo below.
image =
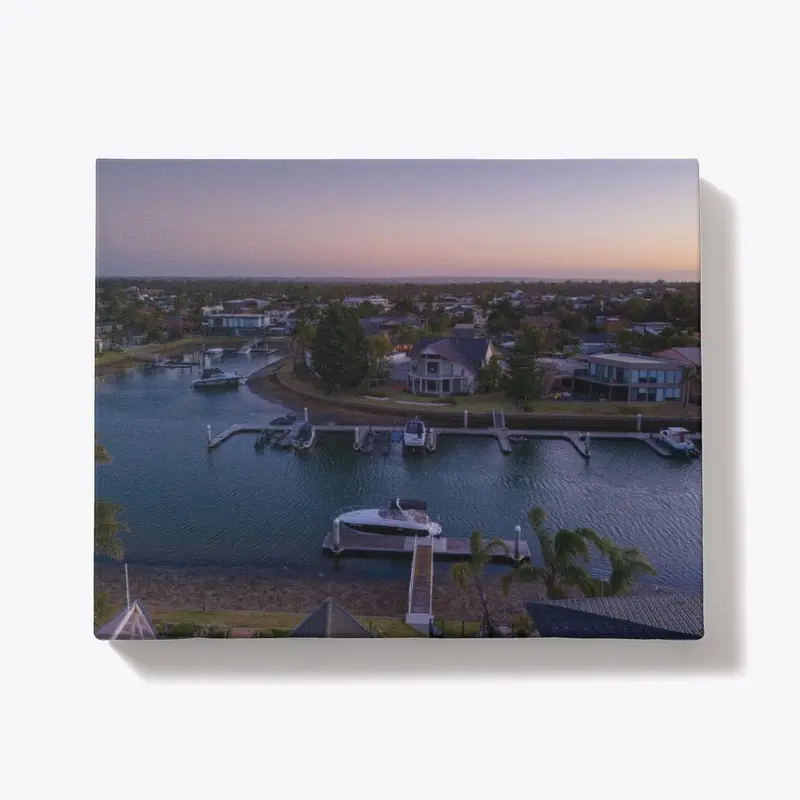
(400, 517)
(304, 437)
(229, 351)
(283, 439)
(287, 419)
(677, 440)
(414, 434)
(214, 352)
(215, 378)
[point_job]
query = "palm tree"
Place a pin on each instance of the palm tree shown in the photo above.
(559, 553)
(627, 564)
(466, 572)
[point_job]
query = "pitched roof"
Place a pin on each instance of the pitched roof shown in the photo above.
(131, 623)
(330, 621)
(595, 338)
(460, 351)
(668, 616)
(690, 355)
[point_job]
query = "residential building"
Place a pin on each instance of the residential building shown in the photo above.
(691, 357)
(330, 621)
(594, 343)
(675, 616)
(443, 367)
(609, 324)
(467, 330)
(237, 324)
(651, 328)
(377, 300)
(621, 377)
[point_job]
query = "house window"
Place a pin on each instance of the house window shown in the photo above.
(661, 376)
(593, 368)
(652, 376)
(634, 376)
(433, 368)
(642, 394)
(659, 395)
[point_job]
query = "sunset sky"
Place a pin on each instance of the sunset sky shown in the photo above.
(383, 219)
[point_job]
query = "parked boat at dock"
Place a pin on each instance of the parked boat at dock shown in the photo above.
(304, 437)
(414, 434)
(400, 517)
(215, 378)
(677, 440)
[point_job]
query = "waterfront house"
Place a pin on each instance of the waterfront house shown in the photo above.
(330, 621)
(236, 324)
(628, 378)
(444, 367)
(664, 616)
(690, 356)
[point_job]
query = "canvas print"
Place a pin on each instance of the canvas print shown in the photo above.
(393, 398)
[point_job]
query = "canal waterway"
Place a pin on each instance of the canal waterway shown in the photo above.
(270, 510)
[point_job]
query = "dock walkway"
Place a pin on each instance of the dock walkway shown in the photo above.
(502, 435)
(420, 587)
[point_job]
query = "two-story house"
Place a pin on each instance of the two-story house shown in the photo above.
(620, 377)
(444, 367)
(237, 324)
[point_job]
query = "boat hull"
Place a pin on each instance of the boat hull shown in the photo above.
(227, 383)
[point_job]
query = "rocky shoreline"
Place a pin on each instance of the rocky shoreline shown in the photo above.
(240, 589)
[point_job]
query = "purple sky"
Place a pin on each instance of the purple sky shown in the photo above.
(361, 219)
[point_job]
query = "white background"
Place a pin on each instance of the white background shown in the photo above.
(702, 80)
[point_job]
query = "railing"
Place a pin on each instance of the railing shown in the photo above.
(413, 576)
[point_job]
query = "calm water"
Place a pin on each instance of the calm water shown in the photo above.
(234, 506)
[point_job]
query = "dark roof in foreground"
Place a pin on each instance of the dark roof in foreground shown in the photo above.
(131, 623)
(667, 616)
(330, 621)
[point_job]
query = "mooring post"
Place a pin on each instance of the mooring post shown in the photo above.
(209, 433)
(517, 542)
(305, 413)
(587, 441)
(336, 539)
(466, 418)
(355, 443)
(638, 423)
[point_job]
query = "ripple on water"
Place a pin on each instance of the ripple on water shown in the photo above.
(235, 506)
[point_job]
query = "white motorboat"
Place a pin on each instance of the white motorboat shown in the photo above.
(214, 352)
(398, 518)
(414, 434)
(304, 437)
(677, 440)
(215, 378)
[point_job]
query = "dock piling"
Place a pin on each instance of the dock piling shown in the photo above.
(466, 418)
(638, 423)
(208, 427)
(587, 445)
(305, 413)
(337, 542)
(517, 542)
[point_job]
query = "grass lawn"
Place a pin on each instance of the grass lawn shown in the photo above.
(485, 402)
(270, 623)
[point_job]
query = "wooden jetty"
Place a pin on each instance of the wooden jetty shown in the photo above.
(420, 586)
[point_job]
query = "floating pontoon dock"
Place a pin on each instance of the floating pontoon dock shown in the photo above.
(581, 442)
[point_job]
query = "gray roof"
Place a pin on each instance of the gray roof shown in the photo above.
(667, 616)
(330, 621)
(459, 351)
(131, 623)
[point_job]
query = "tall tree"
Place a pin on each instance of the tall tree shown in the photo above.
(524, 376)
(627, 564)
(490, 375)
(106, 525)
(380, 348)
(406, 335)
(470, 572)
(303, 337)
(339, 351)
